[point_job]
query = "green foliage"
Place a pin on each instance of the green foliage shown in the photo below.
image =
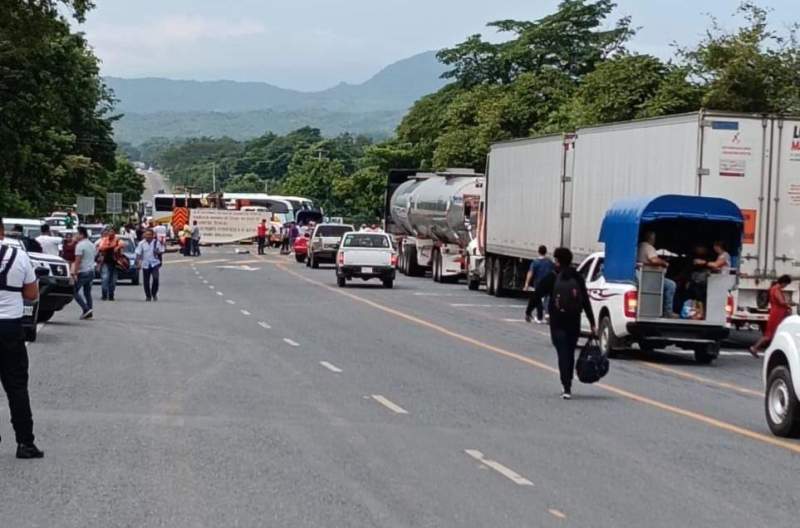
(55, 113)
(629, 87)
(245, 183)
(570, 40)
(752, 69)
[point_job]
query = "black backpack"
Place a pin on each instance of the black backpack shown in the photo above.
(567, 295)
(592, 364)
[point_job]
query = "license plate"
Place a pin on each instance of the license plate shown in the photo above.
(366, 270)
(27, 311)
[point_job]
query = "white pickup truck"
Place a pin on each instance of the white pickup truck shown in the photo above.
(781, 379)
(366, 256)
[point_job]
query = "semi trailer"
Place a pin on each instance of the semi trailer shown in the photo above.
(555, 190)
(432, 218)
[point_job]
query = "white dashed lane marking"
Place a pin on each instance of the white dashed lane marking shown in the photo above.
(330, 366)
(264, 325)
(244, 312)
(510, 474)
(220, 294)
(290, 342)
(389, 404)
(229, 301)
(211, 287)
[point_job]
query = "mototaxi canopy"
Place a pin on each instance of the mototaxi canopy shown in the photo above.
(679, 222)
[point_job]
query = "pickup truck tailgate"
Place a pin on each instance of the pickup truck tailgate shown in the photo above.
(378, 257)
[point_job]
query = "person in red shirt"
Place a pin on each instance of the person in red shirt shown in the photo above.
(262, 236)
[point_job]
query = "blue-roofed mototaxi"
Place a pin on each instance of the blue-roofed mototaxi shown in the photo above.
(632, 298)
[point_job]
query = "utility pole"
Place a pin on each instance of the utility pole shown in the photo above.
(214, 176)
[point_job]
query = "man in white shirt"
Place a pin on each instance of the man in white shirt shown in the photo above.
(48, 242)
(648, 256)
(148, 259)
(17, 282)
(83, 272)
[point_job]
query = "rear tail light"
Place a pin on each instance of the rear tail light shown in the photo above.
(729, 306)
(394, 260)
(631, 303)
(341, 258)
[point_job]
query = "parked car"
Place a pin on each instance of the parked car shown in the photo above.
(300, 247)
(55, 289)
(31, 227)
(325, 243)
(129, 250)
(781, 377)
(366, 256)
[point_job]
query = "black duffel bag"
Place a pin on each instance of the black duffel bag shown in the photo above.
(592, 364)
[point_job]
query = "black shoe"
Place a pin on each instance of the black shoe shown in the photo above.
(528, 318)
(110, 297)
(104, 298)
(148, 299)
(27, 451)
(155, 297)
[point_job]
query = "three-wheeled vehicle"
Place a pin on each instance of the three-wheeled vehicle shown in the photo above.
(627, 296)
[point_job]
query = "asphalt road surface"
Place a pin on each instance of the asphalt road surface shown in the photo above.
(256, 393)
(154, 182)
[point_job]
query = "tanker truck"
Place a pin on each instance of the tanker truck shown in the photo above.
(432, 217)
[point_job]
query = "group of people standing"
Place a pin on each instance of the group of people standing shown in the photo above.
(106, 257)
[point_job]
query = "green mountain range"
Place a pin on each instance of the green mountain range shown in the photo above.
(155, 107)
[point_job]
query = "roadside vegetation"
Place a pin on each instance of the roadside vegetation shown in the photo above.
(56, 116)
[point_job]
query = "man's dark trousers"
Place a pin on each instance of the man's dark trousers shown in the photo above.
(150, 279)
(14, 378)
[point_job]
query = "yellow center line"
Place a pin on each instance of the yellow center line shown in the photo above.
(701, 379)
(672, 409)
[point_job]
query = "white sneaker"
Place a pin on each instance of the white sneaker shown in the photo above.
(538, 321)
(566, 395)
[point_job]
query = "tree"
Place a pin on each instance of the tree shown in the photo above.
(570, 40)
(628, 87)
(751, 69)
(55, 112)
(245, 183)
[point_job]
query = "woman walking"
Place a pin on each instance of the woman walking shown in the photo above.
(779, 309)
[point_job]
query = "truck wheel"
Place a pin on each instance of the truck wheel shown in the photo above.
(314, 262)
(490, 275)
(781, 405)
(473, 284)
(706, 354)
(437, 266)
(388, 283)
(497, 269)
(401, 263)
(45, 315)
(341, 281)
(414, 269)
(608, 340)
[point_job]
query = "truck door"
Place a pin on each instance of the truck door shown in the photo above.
(784, 242)
(734, 164)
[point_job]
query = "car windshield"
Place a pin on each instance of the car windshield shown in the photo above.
(366, 241)
(333, 231)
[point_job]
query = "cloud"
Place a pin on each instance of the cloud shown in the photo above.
(193, 28)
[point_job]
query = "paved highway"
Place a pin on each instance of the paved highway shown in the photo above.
(154, 182)
(256, 393)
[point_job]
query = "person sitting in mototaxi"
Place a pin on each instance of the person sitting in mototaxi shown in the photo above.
(648, 256)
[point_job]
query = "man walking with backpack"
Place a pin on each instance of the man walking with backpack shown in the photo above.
(540, 268)
(148, 259)
(566, 289)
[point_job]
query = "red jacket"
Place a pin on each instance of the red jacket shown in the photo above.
(262, 230)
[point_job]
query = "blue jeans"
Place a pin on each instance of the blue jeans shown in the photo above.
(669, 296)
(84, 284)
(108, 277)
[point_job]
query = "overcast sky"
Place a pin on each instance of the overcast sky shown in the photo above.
(313, 44)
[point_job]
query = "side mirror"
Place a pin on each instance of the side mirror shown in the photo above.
(42, 272)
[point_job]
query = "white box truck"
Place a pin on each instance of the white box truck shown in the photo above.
(555, 191)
